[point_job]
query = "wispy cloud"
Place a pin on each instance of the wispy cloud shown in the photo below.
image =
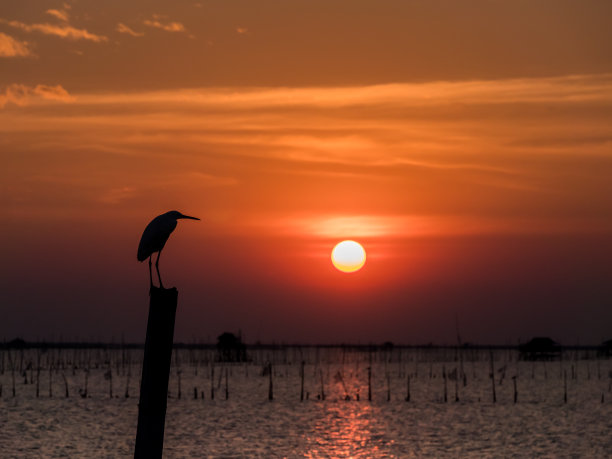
(117, 195)
(242, 30)
(63, 30)
(167, 26)
(122, 28)
(525, 155)
(59, 14)
(19, 94)
(11, 47)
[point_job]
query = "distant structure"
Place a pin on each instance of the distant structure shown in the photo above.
(540, 348)
(230, 348)
(605, 349)
(16, 343)
(155, 236)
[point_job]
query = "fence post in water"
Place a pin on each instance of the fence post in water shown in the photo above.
(493, 378)
(156, 373)
(457, 387)
(408, 387)
(515, 392)
(388, 387)
(226, 385)
(302, 386)
(212, 382)
(369, 384)
(270, 387)
(445, 388)
(322, 385)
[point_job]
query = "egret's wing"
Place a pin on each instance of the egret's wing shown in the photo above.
(155, 236)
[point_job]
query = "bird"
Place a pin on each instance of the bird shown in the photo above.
(154, 238)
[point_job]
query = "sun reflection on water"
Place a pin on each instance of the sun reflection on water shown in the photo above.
(344, 430)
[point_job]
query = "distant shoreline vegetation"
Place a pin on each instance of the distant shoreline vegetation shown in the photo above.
(19, 343)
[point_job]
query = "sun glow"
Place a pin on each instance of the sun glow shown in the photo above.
(348, 256)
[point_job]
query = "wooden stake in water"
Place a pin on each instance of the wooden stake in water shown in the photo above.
(369, 384)
(322, 385)
(155, 374)
(445, 388)
(515, 392)
(212, 382)
(407, 387)
(493, 378)
(270, 387)
(302, 385)
(457, 387)
(388, 387)
(564, 386)
(226, 385)
(65, 384)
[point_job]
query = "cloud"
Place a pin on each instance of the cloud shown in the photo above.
(52, 92)
(242, 30)
(59, 14)
(11, 47)
(117, 195)
(21, 95)
(63, 30)
(121, 27)
(168, 27)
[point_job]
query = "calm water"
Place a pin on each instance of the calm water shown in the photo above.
(248, 425)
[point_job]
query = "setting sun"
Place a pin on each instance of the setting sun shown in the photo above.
(348, 256)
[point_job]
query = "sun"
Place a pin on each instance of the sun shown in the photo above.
(348, 256)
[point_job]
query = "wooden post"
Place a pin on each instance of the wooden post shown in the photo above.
(564, 386)
(226, 385)
(156, 373)
(445, 389)
(492, 374)
(302, 385)
(388, 387)
(270, 387)
(457, 386)
(322, 385)
(408, 387)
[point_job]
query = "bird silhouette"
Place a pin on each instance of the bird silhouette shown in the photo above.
(155, 236)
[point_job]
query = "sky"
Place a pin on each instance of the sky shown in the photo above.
(466, 145)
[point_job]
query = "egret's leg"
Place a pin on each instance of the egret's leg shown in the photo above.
(157, 268)
(150, 272)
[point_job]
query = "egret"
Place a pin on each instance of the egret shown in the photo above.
(155, 236)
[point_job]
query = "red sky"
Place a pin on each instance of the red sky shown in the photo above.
(466, 145)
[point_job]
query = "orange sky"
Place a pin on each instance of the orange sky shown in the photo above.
(466, 146)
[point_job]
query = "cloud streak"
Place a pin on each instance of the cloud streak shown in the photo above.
(22, 95)
(59, 14)
(63, 30)
(168, 26)
(122, 28)
(11, 47)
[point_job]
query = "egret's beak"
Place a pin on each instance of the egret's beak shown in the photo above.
(187, 216)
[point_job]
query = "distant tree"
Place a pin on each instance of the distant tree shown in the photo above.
(17, 343)
(230, 348)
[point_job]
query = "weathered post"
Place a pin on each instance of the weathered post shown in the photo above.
(302, 385)
(156, 373)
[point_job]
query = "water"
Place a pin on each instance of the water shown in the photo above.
(248, 425)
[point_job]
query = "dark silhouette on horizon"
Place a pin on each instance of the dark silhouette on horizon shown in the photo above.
(540, 348)
(155, 236)
(230, 348)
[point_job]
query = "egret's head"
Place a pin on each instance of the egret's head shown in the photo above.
(176, 215)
